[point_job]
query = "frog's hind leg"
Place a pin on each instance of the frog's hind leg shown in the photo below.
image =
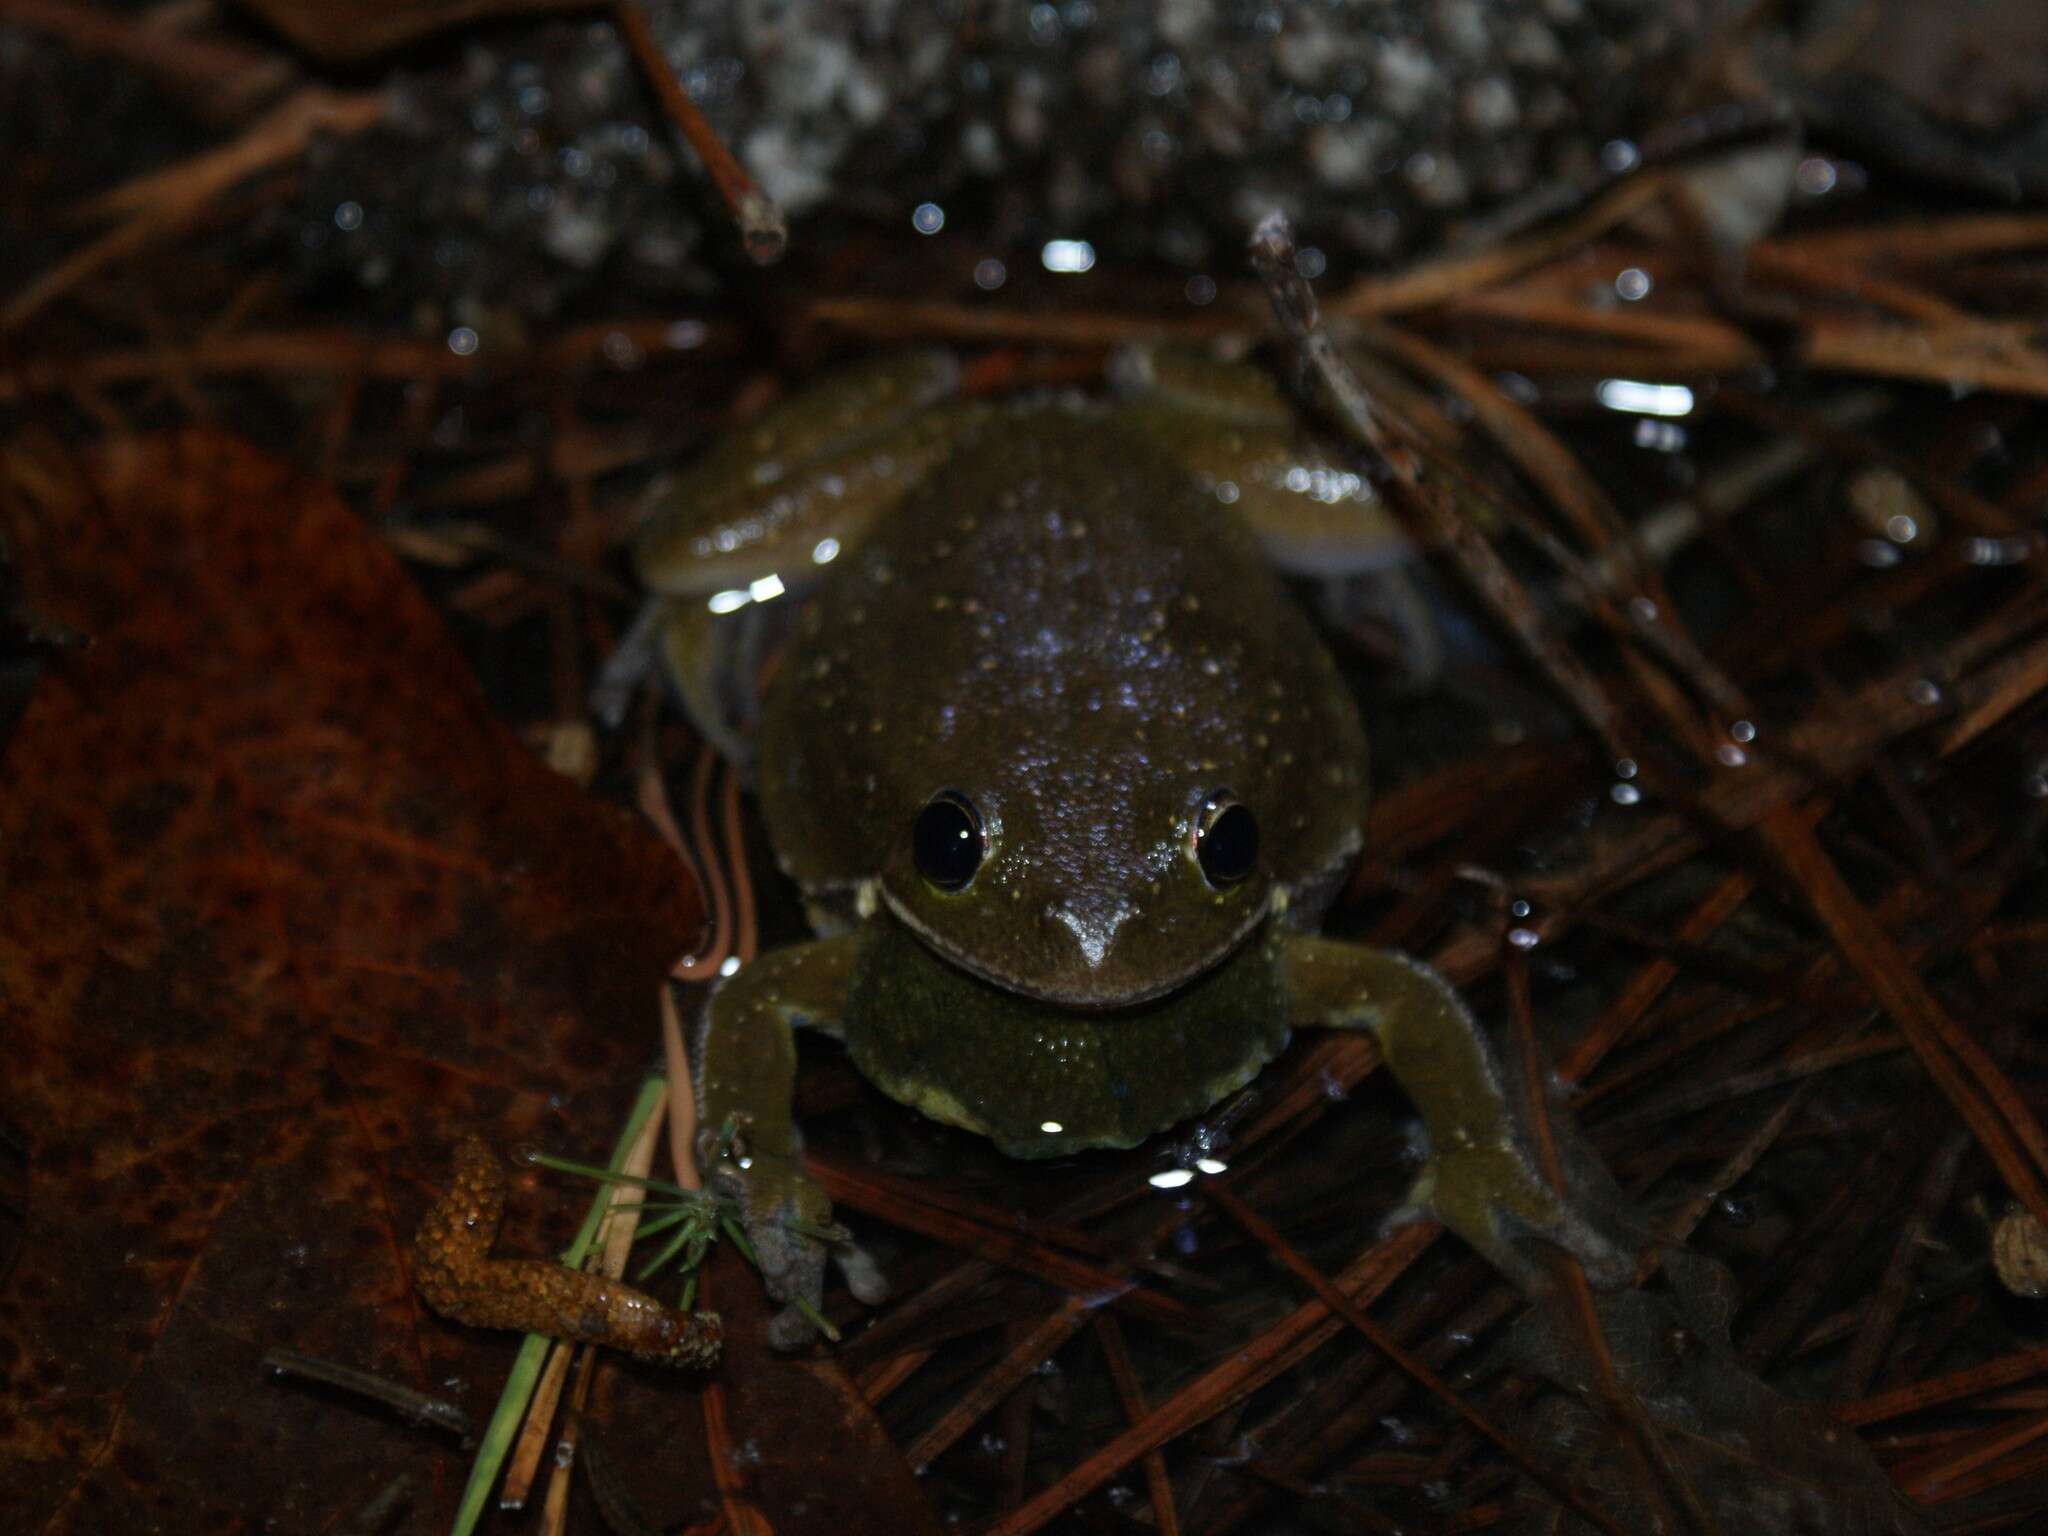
(799, 487)
(1483, 1178)
(747, 1138)
(714, 660)
(1316, 516)
(1231, 426)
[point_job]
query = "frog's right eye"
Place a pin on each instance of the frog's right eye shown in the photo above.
(948, 840)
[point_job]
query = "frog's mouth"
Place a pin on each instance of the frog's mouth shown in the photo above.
(1101, 984)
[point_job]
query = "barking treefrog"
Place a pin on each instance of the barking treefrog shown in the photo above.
(1066, 776)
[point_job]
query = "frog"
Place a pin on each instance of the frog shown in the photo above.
(1067, 779)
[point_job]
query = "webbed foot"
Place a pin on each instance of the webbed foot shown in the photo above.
(1486, 1175)
(788, 1223)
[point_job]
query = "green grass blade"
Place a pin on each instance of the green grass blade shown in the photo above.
(519, 1384)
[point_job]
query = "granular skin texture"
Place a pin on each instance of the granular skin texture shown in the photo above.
(457, 1278)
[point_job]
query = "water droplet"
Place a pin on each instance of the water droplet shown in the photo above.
(928, 218)
(1643, 610)
(1632, 284)
(1728, 755)
(1625, 768)
(1925, 692)
(1737, 1213)
(1644, 399)
(1211, 1165)
(990, 274)
(1660, 436)
(1624, 794)
(462, 341)
(1619, 156)
(1051, 1127)
(1172, 1178)
(1523, 938)
(1201, 289)
(1518, 908)
(729, 966)
(348, 215)
(1067, 255)
(1815, 176)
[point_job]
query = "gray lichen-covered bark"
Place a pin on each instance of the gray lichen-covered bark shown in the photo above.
(532, 164)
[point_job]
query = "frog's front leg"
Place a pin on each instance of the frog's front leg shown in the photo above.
(1483, 1178)
(746, 1076)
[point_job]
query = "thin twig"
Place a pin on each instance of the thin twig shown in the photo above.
(763, 231)
(416, 1406)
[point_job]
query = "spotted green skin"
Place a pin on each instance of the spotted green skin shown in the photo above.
(1059, 620)
(1061, 627)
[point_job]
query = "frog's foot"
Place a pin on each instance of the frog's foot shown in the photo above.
(631, 664)
(1494, 1198)
(1368, 603)
(1487, 1176)
(788, 1222)
(458, 1279)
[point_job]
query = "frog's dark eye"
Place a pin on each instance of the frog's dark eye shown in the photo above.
(948, 840)
(1226, 839)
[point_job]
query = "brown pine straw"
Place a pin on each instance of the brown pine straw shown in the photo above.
(763, 231)
(344, 353)
(1972, 1082)
(1648, 983)
(1437, 282)
(163, 203)
(1038, 1344)
(1130, 1393)
(555, 1510)
(1653, 1466)
(699, 853)
(523, 1465)
(1526, 1457)
(1286, 1344)
(608, 1256)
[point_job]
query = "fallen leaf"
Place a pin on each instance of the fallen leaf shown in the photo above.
(283, 911)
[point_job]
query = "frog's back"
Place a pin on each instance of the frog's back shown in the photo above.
(1061, 624)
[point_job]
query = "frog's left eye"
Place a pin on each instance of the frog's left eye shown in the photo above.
(1226, 839)
(948, 840)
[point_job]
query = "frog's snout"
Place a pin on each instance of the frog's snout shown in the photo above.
(1093, 925)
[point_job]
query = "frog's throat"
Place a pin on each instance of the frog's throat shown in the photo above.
(1042, 1081)
(1084, 1000)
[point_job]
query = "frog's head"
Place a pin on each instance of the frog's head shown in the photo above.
(1061, 720)
(1098, 881)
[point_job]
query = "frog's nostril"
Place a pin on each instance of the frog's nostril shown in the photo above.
(1093, 927)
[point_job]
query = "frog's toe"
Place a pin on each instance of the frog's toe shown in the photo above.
(792, 1261)
(791, 1330)
(862, 1274)
(1500, 1208)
